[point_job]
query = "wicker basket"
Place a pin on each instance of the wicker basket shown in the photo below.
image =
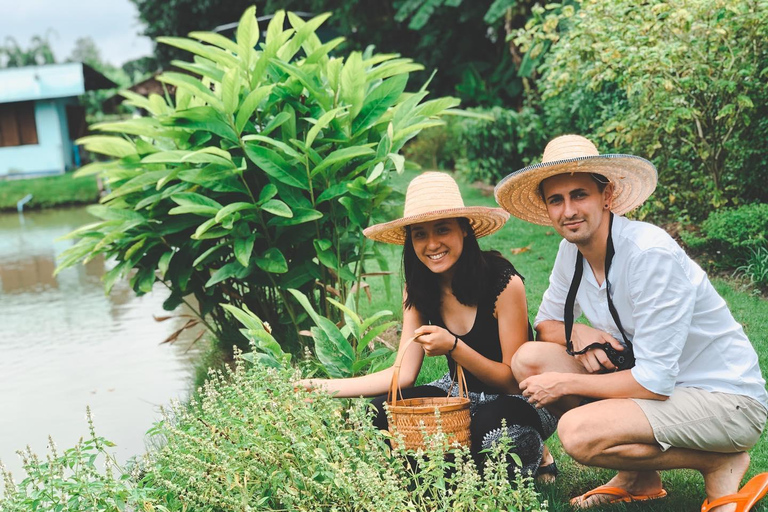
(413, 416)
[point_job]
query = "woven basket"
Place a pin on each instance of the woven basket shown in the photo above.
(413, 417)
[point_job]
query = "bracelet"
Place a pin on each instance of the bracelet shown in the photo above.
(455, 342)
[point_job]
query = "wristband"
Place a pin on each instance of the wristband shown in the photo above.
(455, 342)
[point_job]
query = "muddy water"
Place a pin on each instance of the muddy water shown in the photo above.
(64, 345)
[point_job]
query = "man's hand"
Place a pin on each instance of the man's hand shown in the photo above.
(435, 340)
(544, 389)
(594, 360)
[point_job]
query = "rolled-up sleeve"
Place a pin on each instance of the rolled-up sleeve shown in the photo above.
(553, 301)
(663, 299)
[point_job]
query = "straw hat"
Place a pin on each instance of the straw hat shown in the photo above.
(633, 178)
(432, 196)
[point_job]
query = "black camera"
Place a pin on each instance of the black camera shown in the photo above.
(621, 359)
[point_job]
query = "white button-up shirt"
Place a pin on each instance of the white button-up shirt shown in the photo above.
(682, 331)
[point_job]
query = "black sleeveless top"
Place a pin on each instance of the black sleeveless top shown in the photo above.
(483, 337)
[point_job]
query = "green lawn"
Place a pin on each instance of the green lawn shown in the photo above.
(685, 487)
(48, 191)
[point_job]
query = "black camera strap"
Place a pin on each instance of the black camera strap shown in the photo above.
(570, 300)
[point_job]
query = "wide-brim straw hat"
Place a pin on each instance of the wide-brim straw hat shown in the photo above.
(633, 178)
(432, 196)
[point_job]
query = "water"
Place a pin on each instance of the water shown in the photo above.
(64, 345)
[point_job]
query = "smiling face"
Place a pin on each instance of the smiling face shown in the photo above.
(438, 244)
(577, 207)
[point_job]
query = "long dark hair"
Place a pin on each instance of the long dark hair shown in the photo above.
(422, 286)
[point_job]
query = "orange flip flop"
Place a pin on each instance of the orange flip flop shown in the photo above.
(745, 499)
(618, 494)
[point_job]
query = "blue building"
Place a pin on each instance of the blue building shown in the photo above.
(41, 116)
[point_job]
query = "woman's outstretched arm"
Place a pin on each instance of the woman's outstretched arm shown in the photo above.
(378, 383)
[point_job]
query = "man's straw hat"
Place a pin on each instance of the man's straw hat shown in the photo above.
(633, 178)
(432, 196)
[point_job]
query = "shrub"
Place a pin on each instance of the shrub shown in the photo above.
(696, 114)
(731, 233)
(498, 142)
(257, 176)
(756, 266)
(252, 442)
(437, 147)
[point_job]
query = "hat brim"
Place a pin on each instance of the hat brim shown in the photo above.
(484, 221)
(633, 178)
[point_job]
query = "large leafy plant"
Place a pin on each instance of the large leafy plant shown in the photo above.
(257, 174)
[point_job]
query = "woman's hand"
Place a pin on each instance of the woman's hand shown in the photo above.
(308, 384)
(435, 340)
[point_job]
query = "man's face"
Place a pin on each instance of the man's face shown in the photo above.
(576, 206)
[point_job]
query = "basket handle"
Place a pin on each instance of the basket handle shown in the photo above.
(394, 388)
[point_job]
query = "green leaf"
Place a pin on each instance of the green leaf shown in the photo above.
(320, 124)
(210, 252)
(204, 118)
(288, 150)
(275, 122)
(351, 318)
(243, 248)
(273, 164)
(205, 211)
(139, 183)
(194, 86)
(217, 55)
(352, 87)
(300, 216)
(209, 155)
(336, 190)
(164, 261)
(342, 156)
(332, 349)
(268, 192)
(216, 39)
(107, 145)
(497, 10)
(250, 103)
(398, 160)
(356, 214)
(437, 106)
(228, 271)
(248, 29)
(114, 213)
(272, 261)
(246, 317)
(193, 199)
(277, 207)
(378, 101)
(230, 90)
(304, 302)
(325, 254)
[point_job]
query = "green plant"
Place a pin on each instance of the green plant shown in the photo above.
(252, 442)
(494, 148)
(756, 267)
(85, 477)
(692, 72)
(728, 234)
(258, 175)
(343, 352)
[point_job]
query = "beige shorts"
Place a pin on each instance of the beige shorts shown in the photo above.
(705, 420)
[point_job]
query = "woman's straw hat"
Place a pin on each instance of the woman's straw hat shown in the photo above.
(432, 196)
(633, 178)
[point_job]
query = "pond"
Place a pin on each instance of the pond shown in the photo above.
(65, 345)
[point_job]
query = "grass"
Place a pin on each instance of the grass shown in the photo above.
(48, 191)
(532, 250)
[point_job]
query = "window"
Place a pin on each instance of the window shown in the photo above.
(17, 124)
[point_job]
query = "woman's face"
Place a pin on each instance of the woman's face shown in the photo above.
(438, 244)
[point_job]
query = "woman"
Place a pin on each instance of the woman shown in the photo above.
(463, 303)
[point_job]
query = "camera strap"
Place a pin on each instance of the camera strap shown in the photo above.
(570, 300)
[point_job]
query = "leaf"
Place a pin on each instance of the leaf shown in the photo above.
(336, 190)
(206, 211)
(274, 165)
(107, 145)
(277, 207)
(341, 156)
(216, 39)
(497, 10)
(164, 261)
(356, 214)
(333, 351)
(234, 207)
(437, 106)
(243, 247)
(399, 161)
(193, 85)
(272, 261)
(230, 270)
(230, 91)
(378, 101)
(210, 252)
(192, 199)
(114, 213)
(268, 192)
(377, 170)
(320, 124)
(300, 216)
(351, 318)
(249, 105)
(520, 250)
(209, 52)
(204, 118)
(249, 320)
(248, 29)
(209, 155)
(352, 86)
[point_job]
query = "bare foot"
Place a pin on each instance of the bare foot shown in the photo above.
(725, 478)
(637, 483)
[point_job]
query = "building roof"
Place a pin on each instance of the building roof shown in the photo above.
(50, 81)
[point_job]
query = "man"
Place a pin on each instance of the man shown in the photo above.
(695, 397)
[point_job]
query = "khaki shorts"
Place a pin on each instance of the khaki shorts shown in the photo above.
(705, 420)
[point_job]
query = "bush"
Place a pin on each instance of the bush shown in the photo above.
(437, 147)
(678, 102)
(499, 141)
(756, 266)
(257, 176)
(731, 234)
(252, 442)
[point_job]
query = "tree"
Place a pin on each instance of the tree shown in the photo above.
(38, 53)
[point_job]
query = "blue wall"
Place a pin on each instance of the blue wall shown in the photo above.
(53, 153)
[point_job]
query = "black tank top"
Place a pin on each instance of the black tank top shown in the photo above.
(483, 337)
